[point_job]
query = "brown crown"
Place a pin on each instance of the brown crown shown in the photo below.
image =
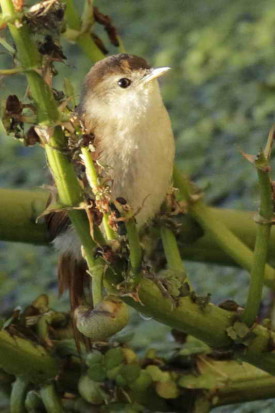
(121, 64)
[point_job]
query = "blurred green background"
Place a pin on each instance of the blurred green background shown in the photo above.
(220, 96)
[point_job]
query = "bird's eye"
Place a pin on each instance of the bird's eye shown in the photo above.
(124, 82)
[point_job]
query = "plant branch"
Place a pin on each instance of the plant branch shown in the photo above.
(14, 70)
(248, 384)
(69, 190)
(19, 210)
(32, 361)
(18, 395)
(82, 38)
(50, 399)
(208, 324)
(94, 184)
(228, 241)
(170, 246)
(263, 221)
(227, 381)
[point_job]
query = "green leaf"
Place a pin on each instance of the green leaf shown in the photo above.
(142, 382)
(113, 358)
(97, 372)
(167, 390)
(194, 346)
(91, 391)
(113, 373)
(157, 374)
(94, 357)
(130, 372)
(120, 380)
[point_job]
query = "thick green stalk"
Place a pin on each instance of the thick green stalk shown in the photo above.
(208, 323)
(70, 194)
(249, 389)
(229, 242)
(31, 62)
(227, 381)
(19, 210)
(32, 360)
(51, 399)
(18, 395)
(68, 187)
(262, 240)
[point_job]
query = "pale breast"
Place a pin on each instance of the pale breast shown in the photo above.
(139, 159)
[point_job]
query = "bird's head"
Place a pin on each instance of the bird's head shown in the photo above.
(119, 86)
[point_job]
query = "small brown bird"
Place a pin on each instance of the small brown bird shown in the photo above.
(122, 107)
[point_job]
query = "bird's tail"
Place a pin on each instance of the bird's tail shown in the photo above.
(72, 276)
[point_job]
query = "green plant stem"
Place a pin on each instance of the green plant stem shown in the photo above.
(7, 72)
(83, 39)
(208, 324)
(18, 395)
(87, 16)
(19, 210)
(248, 384)
(70, 194)
(69, 190)
(32, 360)
(171, 251)
(51, 399)
(94, 184)
(33, 402)
(231, 381)
(132, 233)
(262, 240)
(18, 213)
(229, 242)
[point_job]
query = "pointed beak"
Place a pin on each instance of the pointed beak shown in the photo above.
(155, 73)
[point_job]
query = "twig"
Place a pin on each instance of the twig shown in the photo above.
(7, 72)
(264, 220)
(84, 40)
(171, 250)
(94, 184)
